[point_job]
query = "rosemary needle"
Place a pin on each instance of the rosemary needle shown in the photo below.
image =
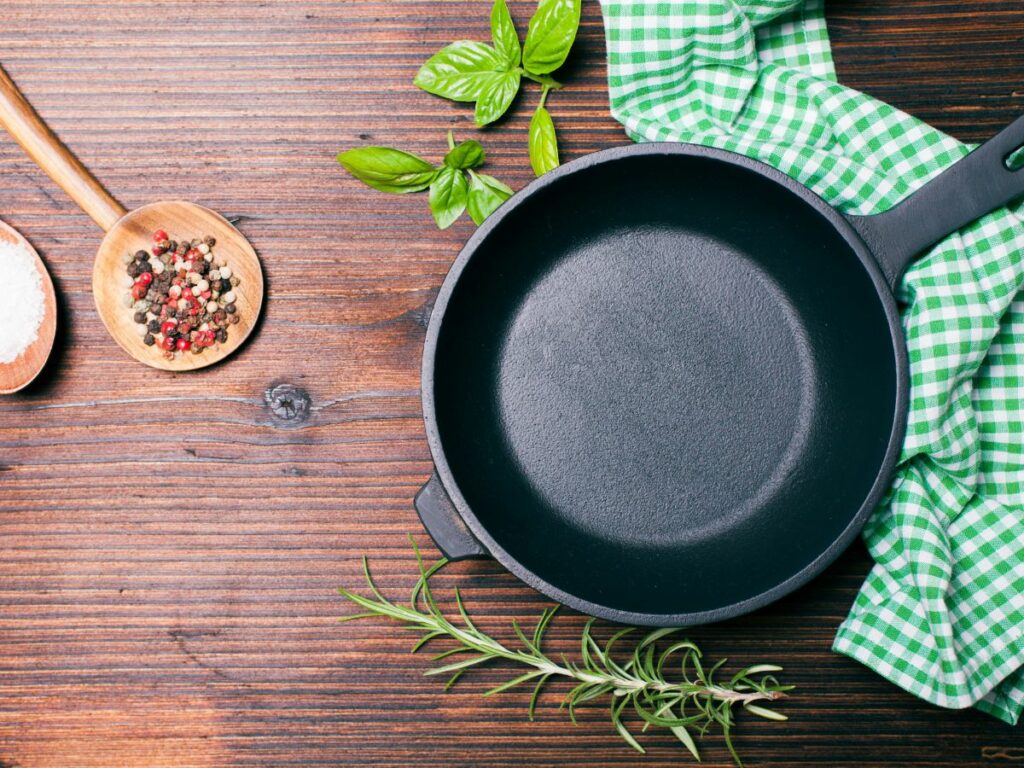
(662, 680)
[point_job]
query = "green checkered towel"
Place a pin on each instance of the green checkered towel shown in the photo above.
(942, 611)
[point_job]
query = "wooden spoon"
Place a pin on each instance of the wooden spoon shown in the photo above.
(20, 372)
(131, 232)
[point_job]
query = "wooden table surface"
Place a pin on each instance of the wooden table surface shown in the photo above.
(170, 544)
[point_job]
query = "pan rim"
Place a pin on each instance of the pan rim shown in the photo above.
(884, 471)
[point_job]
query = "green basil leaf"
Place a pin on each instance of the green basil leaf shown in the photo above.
(543, 143)
(469, 154)
(460, 71)
(389, 170)
(550, 35)
(496, 96)
(486, 193)
(504, 35)
(448, 196)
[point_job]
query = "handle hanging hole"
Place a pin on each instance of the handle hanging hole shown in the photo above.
(1015, 160)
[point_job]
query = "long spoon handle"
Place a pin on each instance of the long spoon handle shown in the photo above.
(29, 130)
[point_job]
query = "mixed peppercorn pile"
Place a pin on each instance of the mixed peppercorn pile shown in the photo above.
(182, 294)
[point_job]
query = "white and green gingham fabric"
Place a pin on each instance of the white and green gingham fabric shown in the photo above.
(942, 611)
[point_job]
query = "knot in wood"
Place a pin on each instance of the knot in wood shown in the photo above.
(288, 403)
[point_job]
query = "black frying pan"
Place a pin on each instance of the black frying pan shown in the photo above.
(666, 384)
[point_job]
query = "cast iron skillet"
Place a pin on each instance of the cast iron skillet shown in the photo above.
(666, 384)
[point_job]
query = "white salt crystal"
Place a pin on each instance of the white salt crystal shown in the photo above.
(22, 301)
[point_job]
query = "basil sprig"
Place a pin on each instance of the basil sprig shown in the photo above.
(490, 75)
(451, 193)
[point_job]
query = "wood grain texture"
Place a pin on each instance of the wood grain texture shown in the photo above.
(170, 542)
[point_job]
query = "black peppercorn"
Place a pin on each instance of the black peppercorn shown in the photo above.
(141, 255)
(140, 317)
(224, 286)
(148, 340)
(230, 309)
(154, 326)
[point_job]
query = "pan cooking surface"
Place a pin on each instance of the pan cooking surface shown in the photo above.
(663, 386)
(602, 372)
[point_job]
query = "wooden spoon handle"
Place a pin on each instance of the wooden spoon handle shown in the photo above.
(28, 129)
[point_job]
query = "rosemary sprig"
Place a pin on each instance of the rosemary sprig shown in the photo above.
(691, 700)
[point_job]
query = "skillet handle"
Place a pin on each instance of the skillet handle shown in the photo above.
(443, 523)
(967, 190)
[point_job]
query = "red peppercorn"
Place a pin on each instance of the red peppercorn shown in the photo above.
(138, 291)
(159, 236)
(184, 328)
(206, 294)
(167, 343)
(146, 278)
(184, 345)
(168, 326)
(157, 250)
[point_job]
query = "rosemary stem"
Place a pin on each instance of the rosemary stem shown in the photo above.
(692, 700)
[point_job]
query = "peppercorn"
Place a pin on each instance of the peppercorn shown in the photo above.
(182, 295)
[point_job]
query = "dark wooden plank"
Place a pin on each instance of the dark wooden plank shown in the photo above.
(170, 545)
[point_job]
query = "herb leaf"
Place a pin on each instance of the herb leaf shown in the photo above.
(550, 35)
(471, 71)
(486, 194)
(496, 96)
(504, 35)
(389, 170)
(448, 195)
(543, 143)
(469, 154)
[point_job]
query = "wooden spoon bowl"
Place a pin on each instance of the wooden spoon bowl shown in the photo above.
(134, 232)
(22, 371)
(131, 232)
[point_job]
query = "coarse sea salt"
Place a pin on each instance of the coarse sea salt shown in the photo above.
(22, 303)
